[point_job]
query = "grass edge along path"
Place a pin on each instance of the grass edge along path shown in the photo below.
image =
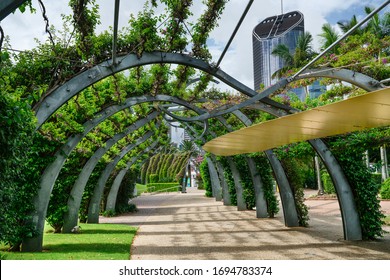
(95, 242)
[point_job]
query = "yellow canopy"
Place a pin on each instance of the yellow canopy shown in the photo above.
(357, 113)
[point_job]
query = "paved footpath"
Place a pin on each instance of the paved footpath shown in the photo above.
(191, 226)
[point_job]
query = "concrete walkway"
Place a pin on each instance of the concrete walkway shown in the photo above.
(192, 227)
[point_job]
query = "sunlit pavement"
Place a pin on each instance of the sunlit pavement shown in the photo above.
(191, 226)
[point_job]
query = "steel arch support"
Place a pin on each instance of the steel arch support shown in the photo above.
(94, 205)
(241, 204)
(76, 194)
(215, 183)
(8, 6)
(225, 188)
(349, 213)
(113, 194)
(52, 171)
(65, 92)
(261, 203)
(287, 197)
(355, 78)
(111, 198)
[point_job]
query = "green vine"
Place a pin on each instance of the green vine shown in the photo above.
(349, 151)
(264, 169)
(205, 174)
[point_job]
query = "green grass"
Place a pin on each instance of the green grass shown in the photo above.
(387, 220)
(95, 242)
(141, 188)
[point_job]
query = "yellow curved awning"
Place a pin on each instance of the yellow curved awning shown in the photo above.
(357, 113)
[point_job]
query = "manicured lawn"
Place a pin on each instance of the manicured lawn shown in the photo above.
(95, 242)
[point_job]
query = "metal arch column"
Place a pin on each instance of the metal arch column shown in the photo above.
(94, 205)
(8, 6)
(215, 183)
(355, 78)
(65, 92)
(112, 196)
(241, 204)
(261, 203)
(220, 172)
(290, 214)
(288, 202)
(225, 188)
(52, 171)
(76, 194)
(348, 209)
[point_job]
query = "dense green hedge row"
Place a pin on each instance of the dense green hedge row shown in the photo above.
(162, 168)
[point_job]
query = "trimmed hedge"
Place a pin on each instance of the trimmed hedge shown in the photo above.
(154, 187)
(385, 189)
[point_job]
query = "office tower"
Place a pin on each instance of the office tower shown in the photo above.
(272, 31)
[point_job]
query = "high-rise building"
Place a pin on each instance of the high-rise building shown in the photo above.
(272, 31)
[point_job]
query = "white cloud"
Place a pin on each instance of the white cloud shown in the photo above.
(23, 28)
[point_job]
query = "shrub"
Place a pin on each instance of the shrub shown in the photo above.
(169, 187)
(205, 174)
(153, 178)
(328, 184)
(109, 213)
(385, 189)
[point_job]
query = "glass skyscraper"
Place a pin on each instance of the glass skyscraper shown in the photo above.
(272, 31)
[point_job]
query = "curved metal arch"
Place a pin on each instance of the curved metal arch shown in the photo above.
(215, 182)
(350, 216)
(290, 213)
(111, 199)
(65, 92)
(8, 6)
(216, 113)
(365, 82)
(94, 205)
(52, 171)
(174, 119)
(355, 78)
(76, 193)
(219, 183)
(93, 213)
(241, 204)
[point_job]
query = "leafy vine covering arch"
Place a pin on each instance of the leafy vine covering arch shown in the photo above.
(68, 82)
